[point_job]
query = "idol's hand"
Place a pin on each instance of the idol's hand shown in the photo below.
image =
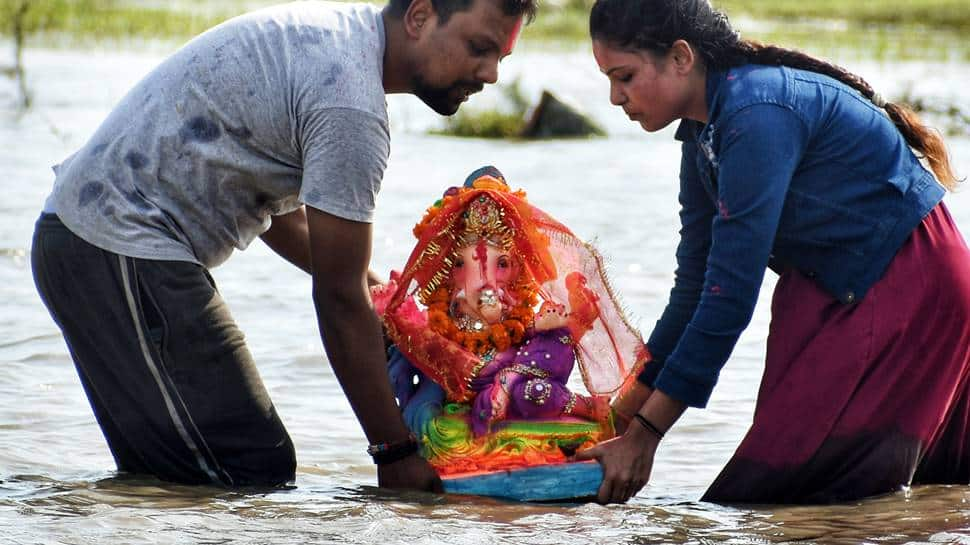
(626, 460)
(381, 294)
(500, 398)
(412, 473)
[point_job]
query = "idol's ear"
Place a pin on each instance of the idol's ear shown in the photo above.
(487, 170)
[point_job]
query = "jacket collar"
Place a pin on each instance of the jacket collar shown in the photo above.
(689, 129)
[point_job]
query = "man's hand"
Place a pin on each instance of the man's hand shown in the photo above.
(413, 473)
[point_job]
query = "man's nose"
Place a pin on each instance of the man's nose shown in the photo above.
(488, 71)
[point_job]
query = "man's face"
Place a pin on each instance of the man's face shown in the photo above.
(457, 58)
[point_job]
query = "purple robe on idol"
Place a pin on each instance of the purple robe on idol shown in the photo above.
(535, 376)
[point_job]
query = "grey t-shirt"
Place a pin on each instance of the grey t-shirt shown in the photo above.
(266, 111)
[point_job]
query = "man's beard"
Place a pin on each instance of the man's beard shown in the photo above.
(444, 100)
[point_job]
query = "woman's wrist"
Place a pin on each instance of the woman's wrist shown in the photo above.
(656, 416)
(649, 426)
(640, 435)
(632, 400)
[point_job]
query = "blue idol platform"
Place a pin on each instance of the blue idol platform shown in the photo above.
(573, 481)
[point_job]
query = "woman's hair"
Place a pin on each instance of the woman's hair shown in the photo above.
(654, 25)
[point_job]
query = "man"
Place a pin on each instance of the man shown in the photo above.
(227, 140)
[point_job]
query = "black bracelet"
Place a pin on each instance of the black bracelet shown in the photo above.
(648, 425)
(388, 453)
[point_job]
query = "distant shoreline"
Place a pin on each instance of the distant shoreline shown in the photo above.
(916, 29)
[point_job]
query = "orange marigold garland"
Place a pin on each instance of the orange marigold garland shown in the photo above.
(499, 336)
(511, 330)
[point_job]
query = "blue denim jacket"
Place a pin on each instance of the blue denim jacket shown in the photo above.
(792, 170)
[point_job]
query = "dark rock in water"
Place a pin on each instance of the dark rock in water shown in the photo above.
(553, 118)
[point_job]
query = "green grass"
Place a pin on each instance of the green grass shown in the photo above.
(951, 14)
(919, 21)
(881, 30)
(877, 29)
(567, 19)
(99, 19)
(884, 30)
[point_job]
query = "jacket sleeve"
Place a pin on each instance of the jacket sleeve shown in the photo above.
(696, 214)
(757, 153)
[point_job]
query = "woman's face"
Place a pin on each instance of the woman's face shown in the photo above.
(651, 89)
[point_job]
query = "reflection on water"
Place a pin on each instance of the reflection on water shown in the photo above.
(56, 483)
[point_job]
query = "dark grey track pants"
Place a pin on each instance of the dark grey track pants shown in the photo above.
(166, 370)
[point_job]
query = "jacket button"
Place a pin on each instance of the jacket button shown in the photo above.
(849, 297)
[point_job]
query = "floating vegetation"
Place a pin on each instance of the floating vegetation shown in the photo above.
(494, 122)
(482, 124)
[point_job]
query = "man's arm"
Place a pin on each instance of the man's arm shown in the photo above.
(339, 253)
(289, 236)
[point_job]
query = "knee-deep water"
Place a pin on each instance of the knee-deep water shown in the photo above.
(57, 483)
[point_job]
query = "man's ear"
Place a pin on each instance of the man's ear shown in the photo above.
(419, 15)
(683, 56)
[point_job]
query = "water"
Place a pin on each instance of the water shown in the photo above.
(56, 479)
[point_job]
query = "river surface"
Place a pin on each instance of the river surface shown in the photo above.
(56, 475)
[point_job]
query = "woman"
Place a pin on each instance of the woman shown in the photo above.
(795, 164)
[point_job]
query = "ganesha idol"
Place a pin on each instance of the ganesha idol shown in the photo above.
(496, 307)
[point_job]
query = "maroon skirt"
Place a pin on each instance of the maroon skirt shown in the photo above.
(861, 399)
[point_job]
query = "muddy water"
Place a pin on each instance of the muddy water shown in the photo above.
(56, 479)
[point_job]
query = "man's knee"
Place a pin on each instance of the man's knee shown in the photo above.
(271, 466)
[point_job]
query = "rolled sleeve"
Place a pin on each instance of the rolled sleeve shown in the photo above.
(345, 152)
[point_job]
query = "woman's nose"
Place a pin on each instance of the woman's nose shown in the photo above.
(617, 97)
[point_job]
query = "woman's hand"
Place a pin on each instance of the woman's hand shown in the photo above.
(626, 460)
